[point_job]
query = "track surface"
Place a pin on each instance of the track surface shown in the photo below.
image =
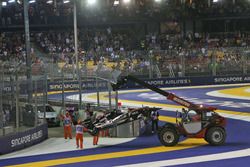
(147, 151)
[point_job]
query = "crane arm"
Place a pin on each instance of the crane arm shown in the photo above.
(170, 96)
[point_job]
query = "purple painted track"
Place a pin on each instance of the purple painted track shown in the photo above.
(237, 139)
(197, 94)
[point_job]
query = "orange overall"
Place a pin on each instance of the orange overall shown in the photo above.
(95, 139)
(67, 127)
(104, 133)
(79, 135)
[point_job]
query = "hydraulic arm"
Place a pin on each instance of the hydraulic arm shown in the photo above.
(170, 96)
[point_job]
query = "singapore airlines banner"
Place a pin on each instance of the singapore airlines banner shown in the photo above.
(191, 81)
(162, 82)
(20, 140)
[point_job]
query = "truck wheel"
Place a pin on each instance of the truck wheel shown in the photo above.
(168, 137)
(216, 136)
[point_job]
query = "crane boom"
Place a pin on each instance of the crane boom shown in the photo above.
(170, 96)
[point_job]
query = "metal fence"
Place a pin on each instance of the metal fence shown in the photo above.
(20, 98)
(74, 85)
(145, 64)
(175, 62)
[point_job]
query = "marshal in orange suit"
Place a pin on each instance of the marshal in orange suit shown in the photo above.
(67, 125)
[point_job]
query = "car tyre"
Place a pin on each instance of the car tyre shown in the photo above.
(216, 136)
(168, 136)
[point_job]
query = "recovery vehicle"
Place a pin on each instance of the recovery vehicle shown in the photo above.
(197, 121)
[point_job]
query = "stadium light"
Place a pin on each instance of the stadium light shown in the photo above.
(49, 2)
(158, 1)
(11, 1)
(4, 3)
(66, 1)
(116, 2)
(91, 2)
(126, 1)
(32, 1)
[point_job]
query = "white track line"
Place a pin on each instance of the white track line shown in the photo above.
(195, 159)
(247, 90)
(173, 109)
(218, 94)
(56, 145)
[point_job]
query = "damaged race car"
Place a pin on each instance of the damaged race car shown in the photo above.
(116, 118)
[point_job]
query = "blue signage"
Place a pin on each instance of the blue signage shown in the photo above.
(18, 141)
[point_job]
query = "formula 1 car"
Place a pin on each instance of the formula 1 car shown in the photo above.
(116, 118)
(197, 122)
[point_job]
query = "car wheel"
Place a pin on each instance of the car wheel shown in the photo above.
(168, 136)
(216, 136)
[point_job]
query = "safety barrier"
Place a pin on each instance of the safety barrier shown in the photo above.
(161, 82)
(17, 141)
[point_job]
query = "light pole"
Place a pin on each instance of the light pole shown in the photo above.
(77, 58)
(15, 72)
(1, 96)
(63, 95)
(28, 50)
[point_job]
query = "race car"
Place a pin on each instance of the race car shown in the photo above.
(116, 118)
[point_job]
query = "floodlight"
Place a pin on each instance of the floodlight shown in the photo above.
(49, 1)
(126, 1)
(215, 1)
(11, 1)
(32, 1)
(91, 2)
(66, 1)
(4, 3)
(158, 1)
(116, 2)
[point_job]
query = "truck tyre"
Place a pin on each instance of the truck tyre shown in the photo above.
(168, 136)
(216, 136)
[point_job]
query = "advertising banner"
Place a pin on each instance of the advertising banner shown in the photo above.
(162, 82)
(192, 81)
(18, 141)
(90, 85)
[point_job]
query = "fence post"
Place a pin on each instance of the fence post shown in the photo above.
(150, 64)
(97, 92)
(110, 96)
(214, 65)
(17, 102)
(244, 63)
(63, 100)
(1, 102)
(183, 66)
(36, 114)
